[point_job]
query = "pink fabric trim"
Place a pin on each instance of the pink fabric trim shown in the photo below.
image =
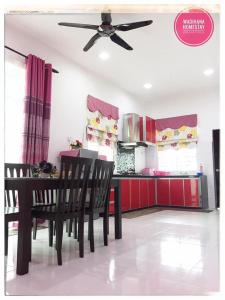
(75, 153)
(176, 122)
(106, 109)
(102, 157)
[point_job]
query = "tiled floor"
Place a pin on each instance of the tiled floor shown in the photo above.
(164, 253)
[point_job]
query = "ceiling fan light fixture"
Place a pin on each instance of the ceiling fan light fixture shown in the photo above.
(104, 55)
(147, 85)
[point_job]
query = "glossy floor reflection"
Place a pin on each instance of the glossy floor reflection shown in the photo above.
(164, 253)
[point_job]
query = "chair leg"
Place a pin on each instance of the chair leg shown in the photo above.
(105, 228)
(91, 232)
(81, 235)
(70, 227)
(34, 228)
(54, 230)
(59, 235)
(75, 228)
(50, 236)
(6, 238)
(67, 225)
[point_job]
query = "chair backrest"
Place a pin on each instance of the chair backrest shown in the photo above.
(74, 176)
(101, 184)
(15, 170)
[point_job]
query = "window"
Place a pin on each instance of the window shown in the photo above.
(102, 150)
(179, 160)
(14, 105)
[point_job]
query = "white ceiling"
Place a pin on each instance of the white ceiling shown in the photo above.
(158, 56)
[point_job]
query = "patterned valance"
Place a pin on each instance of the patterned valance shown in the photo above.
(176, 122)
(107, 110)
(102, 122)
(182, 132)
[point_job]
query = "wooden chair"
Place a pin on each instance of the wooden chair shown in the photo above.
(70, 202)
(11, 201)
(99, 198)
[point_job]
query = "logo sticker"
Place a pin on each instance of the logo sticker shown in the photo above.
(194, 27)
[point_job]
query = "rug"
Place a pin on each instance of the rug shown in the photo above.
(147, 211)
(140, 212)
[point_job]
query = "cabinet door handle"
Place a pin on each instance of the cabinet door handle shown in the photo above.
(217, 170)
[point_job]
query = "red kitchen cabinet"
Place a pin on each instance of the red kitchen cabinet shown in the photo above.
(151, 192)
(163, 192)
(135, 193)
(141, 128)
(111, 201)
(176, 192)
(150, 129)
(144, 193)
(125, 194)
(191, 192)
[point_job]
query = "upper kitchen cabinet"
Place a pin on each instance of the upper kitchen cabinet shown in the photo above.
(147, 129)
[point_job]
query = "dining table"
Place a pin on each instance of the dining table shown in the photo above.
(26, 187)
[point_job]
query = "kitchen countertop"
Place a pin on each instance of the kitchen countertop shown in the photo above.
(148, 176)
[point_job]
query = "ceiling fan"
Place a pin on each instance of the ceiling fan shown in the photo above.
(108, 30)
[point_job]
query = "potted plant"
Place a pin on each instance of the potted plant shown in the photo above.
(76, 145)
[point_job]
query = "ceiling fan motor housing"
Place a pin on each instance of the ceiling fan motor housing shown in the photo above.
(106, 30)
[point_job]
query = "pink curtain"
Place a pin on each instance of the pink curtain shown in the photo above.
(37, 110)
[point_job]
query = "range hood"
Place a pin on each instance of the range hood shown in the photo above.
(130, 145)
(131, 132)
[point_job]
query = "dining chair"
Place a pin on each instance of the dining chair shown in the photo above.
(11, 200)
(99, 198)
(70, 201)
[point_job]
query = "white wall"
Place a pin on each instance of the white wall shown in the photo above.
(206, 105)
(69, 92)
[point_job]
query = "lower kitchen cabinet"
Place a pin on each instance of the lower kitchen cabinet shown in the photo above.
(135, 193)
(191, 192)
(177, 192)
(163, 192)
(151, 192)
(125, 194)
(140, 193)
(144, 197)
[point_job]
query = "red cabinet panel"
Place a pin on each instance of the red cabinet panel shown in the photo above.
(144, 192)
(176, 192)
(191, 192)
(111, 201)
(134, 193)
(141, 128)
(150, 129)
(163, 192)
(151, 192)
(125, 194)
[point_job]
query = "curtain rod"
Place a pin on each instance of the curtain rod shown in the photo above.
(21, 54)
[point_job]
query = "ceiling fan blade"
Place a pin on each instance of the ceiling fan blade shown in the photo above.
(106, 18)
(92, 42)
(116, 39)
(130, 26)
(86, 26)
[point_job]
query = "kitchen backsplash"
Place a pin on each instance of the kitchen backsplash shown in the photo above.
(125, 160)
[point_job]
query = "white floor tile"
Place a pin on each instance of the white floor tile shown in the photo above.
(164, 253)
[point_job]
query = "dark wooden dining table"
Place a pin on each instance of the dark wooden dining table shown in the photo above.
(25, 188)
